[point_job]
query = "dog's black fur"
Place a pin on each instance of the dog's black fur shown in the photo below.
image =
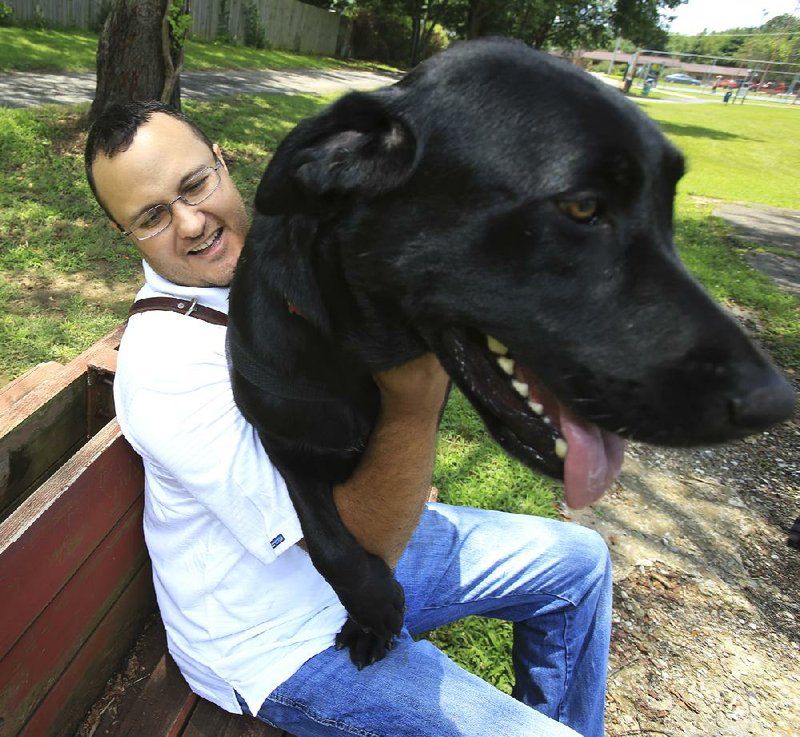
(494, 191)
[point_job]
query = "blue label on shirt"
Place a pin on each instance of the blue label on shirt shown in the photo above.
(277, 541)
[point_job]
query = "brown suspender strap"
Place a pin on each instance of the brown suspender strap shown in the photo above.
(188, 307)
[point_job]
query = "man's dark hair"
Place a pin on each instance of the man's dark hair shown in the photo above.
(114, 129)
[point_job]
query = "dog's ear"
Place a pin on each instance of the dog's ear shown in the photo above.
(356, 146)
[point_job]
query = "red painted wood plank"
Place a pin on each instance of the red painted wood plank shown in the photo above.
(41, 425)
(62, 709)
(32, 379)
(54, 531)
(19, 405)
(43, 439)
(39, 657)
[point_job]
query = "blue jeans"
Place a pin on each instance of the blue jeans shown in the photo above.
(551, 579)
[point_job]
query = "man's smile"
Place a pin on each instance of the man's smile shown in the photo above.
(210, 246)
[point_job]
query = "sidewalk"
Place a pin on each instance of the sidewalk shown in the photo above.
(24, 89)
(773, 227)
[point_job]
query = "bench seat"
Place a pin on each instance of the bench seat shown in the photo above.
(150, 697)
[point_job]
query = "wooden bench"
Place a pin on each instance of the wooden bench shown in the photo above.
(81, 646)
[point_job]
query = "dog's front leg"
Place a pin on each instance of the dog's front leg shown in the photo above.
(363, 582)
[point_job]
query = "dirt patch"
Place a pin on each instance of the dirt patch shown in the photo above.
(53, 291)
(706, 636)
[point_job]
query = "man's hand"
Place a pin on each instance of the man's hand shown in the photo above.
(383, 499)
(416, 387)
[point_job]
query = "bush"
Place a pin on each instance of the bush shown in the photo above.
(6, 14)
(255, 34)
(387, 38)
(439, 41)
(39, 22)
(224, 23)
(381, 37)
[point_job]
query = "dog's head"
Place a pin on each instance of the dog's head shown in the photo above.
(509, 212)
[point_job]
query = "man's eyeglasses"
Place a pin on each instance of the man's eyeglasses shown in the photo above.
(157, 219)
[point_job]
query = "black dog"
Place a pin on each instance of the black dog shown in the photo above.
(503, 209)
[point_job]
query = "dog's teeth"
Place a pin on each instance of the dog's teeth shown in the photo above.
(507, 364)
(520, 387)
(536, 407)
(495, 346)
(561, 448)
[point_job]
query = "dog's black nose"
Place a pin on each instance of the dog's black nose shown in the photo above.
(763, 403)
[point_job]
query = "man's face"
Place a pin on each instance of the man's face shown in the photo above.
(202, 244)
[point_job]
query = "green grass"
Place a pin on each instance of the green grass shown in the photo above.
(66, 278)
(24, 49)
(738, 153)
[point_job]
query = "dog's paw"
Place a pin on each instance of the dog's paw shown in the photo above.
(375, 600)
(365, 647)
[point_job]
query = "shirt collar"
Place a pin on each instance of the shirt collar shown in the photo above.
(157, 286)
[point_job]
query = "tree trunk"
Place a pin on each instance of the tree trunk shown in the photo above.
(416, 33)
(137, 59)
(476, 18)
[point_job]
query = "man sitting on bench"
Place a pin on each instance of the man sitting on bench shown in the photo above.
(249, 621)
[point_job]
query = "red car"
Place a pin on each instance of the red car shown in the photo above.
(732, 83)
(773, 88)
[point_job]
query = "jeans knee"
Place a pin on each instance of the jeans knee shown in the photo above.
(594, 558)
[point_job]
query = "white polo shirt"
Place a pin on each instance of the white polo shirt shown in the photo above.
(242, 604)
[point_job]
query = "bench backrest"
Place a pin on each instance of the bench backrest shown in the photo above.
(75, 580)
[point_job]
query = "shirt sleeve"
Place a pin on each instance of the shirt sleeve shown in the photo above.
(180, 416)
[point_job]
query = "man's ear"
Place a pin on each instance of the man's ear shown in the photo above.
(217, 151)
(356, 146)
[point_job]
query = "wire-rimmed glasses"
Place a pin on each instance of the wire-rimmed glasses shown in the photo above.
(158, 218)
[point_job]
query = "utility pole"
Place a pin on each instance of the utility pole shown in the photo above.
(628, 81)
(614, 55)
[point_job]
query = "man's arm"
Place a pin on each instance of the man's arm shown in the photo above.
(382, 501)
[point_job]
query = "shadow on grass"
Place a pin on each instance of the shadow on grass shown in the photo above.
(698, 131)
(257, 120)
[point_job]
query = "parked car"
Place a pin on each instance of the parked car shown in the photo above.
(681, 79)
(773, 88)
(732, 83)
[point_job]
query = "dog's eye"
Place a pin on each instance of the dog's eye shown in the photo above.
(581, 211)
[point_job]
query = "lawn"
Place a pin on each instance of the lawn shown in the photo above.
(738, 153)
(66, 278)
(24, 49)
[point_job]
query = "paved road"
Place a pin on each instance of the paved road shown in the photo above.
(21, 89)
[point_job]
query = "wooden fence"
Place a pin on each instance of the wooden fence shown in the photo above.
(288, 24)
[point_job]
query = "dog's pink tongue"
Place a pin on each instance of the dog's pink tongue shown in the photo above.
(593, 462)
